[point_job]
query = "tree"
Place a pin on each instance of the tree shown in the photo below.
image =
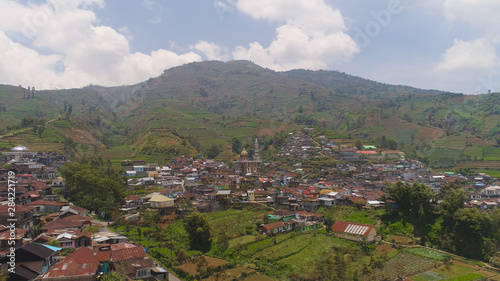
(41, 129)
(328, 223)
(151, 217)
(213, 151)
(470, 229)
(93, 186)
(236, 145)
(453, 200)
(198, 229)
(70, 110)
(359, 145)
(415, 202)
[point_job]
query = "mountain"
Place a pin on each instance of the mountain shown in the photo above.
(200, 107)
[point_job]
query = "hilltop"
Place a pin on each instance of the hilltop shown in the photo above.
(198, 108)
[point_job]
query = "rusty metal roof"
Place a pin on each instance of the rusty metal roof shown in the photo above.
(127, 254)
(82, 262)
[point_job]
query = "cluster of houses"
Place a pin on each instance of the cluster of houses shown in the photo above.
(38, 250)
(286, 220)
(39, 165)
(42, 238)
(300, 145)
(208, 186)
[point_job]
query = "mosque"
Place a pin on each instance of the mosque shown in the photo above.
(19, 153)
(244, 166)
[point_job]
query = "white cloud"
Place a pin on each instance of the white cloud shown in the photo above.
(149, 4)
(211, 50)
(473, 53)
(480, 14)
(311, 35)
(70, 33)
(477, 54)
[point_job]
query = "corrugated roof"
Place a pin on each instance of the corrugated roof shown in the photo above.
(351, 228)
(25, 272)
(82, 262)
(128, 254)
(273, 225)
(19, 209)
(30, 252)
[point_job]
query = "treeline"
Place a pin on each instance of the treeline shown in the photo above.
(94, 185)
(38, 125)
(441, 220)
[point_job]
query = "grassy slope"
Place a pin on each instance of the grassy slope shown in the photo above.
(213, 102)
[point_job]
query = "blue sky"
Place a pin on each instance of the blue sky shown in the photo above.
(448, 45)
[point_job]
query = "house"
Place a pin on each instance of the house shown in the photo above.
(328, 199)
(6, 238)
(306, 221)
(282, 215)
(45, 206)
(158, 201)
(133, 201)
(310, 205)
(23, 216)
(348, 155)
(74, 239)
(134, 262)
(33, 257)
(272, 228)
(491, 191)
(59, 183)
(487, 205)
(71, 222)
(81, 265)
(104, 256)
(72, 210)
(374, 204)
(355, 231)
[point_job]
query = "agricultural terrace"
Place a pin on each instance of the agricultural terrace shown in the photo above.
(238, 251)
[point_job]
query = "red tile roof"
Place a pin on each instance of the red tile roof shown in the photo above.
(132, 197)
(61, 223)
(352, 228)
(273, 225)
(19, 209)
(45, 202)
(78, 218)
(20, 233)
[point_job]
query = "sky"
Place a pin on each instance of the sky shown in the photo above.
(450, 45)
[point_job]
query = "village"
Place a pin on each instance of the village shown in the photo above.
(56, 240)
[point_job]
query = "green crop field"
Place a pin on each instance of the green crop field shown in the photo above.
(492, 153)
(426, 253)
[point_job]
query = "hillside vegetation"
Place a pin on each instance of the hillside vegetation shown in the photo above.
(199, 108)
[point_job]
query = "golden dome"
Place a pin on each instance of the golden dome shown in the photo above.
(244, 153)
